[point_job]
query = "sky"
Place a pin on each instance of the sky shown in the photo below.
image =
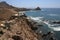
(34, 3)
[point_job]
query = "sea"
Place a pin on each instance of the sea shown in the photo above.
(46, 16)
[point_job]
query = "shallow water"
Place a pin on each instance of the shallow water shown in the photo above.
(46, 14)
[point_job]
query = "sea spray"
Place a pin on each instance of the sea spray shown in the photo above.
(53, 27)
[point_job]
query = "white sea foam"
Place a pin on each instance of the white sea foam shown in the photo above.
(53, 15)
(51, 26)
(31, 11)
(35, 18)
(55, 28)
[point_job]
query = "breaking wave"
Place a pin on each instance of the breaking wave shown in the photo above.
(36, 19)
(51, 26)
(53, 15)
(55, 28)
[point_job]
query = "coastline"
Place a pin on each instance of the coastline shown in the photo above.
(14, 25)
(20, 27)
(17, 26)
(48, 35)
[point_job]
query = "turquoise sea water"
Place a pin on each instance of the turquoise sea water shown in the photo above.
(47, 14)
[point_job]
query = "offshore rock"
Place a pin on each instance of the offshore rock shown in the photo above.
(38, 8)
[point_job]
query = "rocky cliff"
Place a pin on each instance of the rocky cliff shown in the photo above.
(14, 27)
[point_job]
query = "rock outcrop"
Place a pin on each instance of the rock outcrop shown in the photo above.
(58, 22)
(14, 27)
(38, 8)
(17, 29)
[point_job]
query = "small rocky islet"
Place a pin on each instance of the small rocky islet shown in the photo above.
(17, 27)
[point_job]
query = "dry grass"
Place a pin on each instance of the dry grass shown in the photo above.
(5, 13)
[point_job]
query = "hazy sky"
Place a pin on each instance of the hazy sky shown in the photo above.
(34, 3)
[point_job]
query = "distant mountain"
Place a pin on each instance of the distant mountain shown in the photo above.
(6, 10)
(3, 4)
(6, 5)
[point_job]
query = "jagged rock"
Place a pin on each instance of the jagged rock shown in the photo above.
(38, 8)
(16, 37)
(19, 28)
(56, 22)
(1, 32)
(49, 36)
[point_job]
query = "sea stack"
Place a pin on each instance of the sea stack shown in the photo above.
(38, 8)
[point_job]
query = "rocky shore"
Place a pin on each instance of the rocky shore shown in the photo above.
(17, 28)
(14, 25)
(50, 35)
